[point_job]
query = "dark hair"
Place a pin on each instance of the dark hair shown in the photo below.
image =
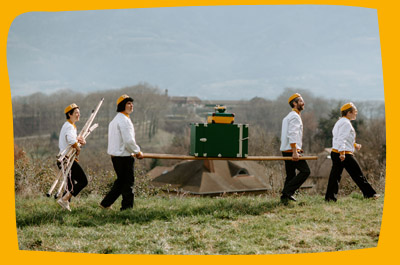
(121, 105)
(70, 113)
(293, 100)
(344, 112)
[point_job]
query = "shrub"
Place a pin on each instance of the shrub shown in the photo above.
(35, 176)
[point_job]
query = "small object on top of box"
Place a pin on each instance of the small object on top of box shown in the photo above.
(219, 116)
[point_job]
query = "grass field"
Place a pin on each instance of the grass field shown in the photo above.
(193, 225)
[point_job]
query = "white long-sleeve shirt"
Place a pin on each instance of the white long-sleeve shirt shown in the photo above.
(292, 131)
(68, 135)
(121, 137)
(344, 136)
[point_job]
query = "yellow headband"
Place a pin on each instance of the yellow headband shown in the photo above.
(295, 95)
(347, 106)
(70, 107)
(121, 98)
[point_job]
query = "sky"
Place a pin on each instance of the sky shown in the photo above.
(221, 52)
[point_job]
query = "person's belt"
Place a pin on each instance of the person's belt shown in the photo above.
(290, 151)
(346, 152)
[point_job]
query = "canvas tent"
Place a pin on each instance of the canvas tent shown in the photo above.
(212, 176)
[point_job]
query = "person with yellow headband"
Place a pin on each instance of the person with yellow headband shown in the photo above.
(291, 145)
(68, 137)
(122, 148)
(343, 146)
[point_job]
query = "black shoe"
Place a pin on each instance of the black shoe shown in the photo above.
(126, 208)
(285, 198)
(104, 207)
(289, 197)
(376, 196)
(330, 200)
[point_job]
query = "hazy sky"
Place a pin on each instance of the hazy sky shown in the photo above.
(224, 52)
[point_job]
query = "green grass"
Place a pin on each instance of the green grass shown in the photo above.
(193, 225)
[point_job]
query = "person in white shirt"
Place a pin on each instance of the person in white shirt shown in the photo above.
(343, 146)
(122, 148)
(291, 145)
(68, 137)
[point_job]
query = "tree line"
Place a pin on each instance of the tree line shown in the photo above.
(41, 114)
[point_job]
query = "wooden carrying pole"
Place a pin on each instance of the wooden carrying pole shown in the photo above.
(252, 158)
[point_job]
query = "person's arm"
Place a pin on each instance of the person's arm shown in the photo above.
(128, 137)
(343, 136)
(294, 128)
(295, 154)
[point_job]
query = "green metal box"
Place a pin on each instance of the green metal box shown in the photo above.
(219, 140)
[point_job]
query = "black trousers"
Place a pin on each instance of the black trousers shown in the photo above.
(78, 179)
(293, 181)
(354, 170)
(123, 185)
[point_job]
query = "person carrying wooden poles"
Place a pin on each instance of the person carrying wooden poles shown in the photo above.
(291, 145)
(77, 179)
(122, 148)
(343, 146)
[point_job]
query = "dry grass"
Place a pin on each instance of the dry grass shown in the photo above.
(188, 225)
